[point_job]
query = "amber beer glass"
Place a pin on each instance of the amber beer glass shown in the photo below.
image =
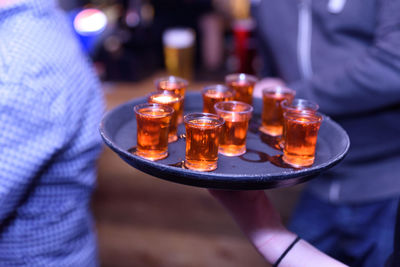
(213, 94)
(243, 85)
(153, 122)
(233, 137)
(179, 51)
(202, 141)
(173, 100)
(272, 116)
(176, 85)
(301, 138)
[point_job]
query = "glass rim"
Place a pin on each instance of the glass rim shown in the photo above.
(199, 115)
(278, 88)
(171, 79)
(234, 102)
(165, 92)
(304, 103)
(166, 108)
(218, 88)
(294, 116)
(240, 76)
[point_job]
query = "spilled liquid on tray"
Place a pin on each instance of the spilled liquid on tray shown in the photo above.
(179, 164)
(132, 150)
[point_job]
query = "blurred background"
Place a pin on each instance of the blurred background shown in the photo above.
(142, 220)
(125, 37)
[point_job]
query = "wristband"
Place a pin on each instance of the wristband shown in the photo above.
(286, 251)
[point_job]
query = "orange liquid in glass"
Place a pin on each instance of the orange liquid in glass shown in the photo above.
(210, 98)
(174, 102)
(272, 116)
(152, 133)
(243, 91)
(302, 110)
(202, 141)
(300, 141)
(178, 88)
(233, 138)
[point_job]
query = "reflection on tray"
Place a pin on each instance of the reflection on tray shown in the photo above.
(264, 157)
(272, 141)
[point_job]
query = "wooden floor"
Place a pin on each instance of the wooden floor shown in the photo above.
(145, 221)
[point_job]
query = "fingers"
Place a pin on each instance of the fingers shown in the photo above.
(266, 83)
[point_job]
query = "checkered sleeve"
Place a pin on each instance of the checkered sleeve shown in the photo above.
(50, 108)
(30, 135)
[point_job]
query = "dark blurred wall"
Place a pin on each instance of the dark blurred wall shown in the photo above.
(140, 43)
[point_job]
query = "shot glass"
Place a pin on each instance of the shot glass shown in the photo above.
(233, 137)
(301, 138)
(153, 122)
(243, 85)
(202, 140)
(173, 100)
(297, 105)
(176, 85)
(213, 94)
(272, 115)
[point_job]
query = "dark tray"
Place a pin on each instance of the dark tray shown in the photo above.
(260, 168)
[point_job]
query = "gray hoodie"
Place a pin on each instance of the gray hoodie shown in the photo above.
(345, 56)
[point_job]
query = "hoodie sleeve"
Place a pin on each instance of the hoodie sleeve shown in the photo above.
(367, 83)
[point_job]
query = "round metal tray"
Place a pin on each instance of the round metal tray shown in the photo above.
(260, 168)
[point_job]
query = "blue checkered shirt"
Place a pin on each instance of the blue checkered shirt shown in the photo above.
(50, 107)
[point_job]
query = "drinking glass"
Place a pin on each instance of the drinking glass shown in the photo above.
(173, 100)
(272, 116)
(179, 49)
(297, 105)
(301, 138)
(243, 85)
(213, 94)
(202, 141)
(176, 85)
(153, 122)
(234, 132)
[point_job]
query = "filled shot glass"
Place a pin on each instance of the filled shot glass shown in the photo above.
(173, 100)
(153, 122)
(202, 140)
(243, 85)
(234, 132)
(272, 115)
(213, 94)
(300, 138)
(176, 85)
(297, 105)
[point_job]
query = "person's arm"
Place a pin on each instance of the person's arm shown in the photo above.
(29, 138)
(6, 3)
(370, 81)
(262, 224)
